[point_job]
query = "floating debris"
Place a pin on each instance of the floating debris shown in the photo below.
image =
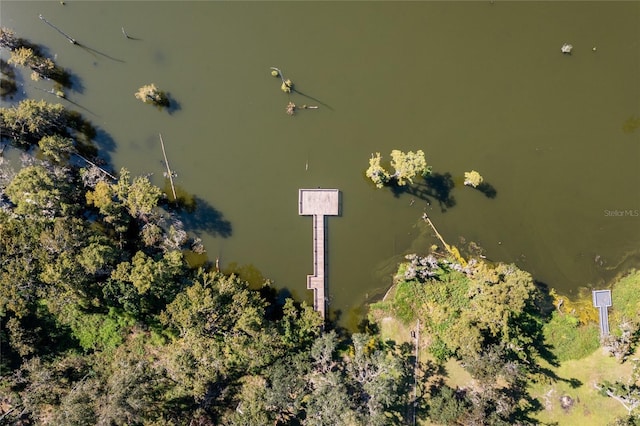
(566, 48)
(291, 107)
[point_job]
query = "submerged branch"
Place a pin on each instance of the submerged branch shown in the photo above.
(68, 37)
(169, 172)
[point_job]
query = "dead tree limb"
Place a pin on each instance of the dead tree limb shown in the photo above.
(169, 172)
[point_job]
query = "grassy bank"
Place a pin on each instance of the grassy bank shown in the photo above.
(576, 379)
(567, 393)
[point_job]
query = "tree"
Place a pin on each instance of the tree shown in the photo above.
(133, 390)
(104, 198)
(28, 55)
(35, 193)
(448, 407)
(407, 166)
(472, 178)
(376, 172)
(626, 393)
(8, 39)
(30, 121)
(300, 326)
(467, 308)
(380, 380)
(77, 407)
(329, 403)
(142, 197)
(150, 275)
(56, 147)
(39, 384)
(20, 267)
(150, 94)
(124, 200)
(286, 387)
(98, 257)
(219, 322)
(42, 67)
(329, 400)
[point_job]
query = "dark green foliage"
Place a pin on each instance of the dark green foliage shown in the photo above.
(466, 309)
(448, 407)
(56, 147)
(38, 193)
(30, 121)
(631, 420)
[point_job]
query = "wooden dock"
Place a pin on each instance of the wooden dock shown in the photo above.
(602, 300)
(318, 203)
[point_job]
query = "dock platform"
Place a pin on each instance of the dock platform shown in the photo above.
(318, 203)
(602, 300)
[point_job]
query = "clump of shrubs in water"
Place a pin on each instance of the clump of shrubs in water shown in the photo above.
(473, 178)
(25, 54)
(150, 94)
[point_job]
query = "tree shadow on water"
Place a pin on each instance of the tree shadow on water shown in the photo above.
(174, 105)
(434, 187)
(487, 189)
(200, 216)
(105, 142)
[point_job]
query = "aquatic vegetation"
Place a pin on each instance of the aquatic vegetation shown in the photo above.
(472, 178)
(150, 94)
(376, 172)
(287, 86)
(407, 166)
(23, 53)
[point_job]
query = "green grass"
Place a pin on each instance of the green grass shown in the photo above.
(625, 297)
(576, 347)
(404, 302)
(590, 407)
(568, 339)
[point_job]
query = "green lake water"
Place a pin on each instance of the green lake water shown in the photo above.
(475, 85)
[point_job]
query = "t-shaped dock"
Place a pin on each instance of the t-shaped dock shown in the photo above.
(602, 300)
(318, 203)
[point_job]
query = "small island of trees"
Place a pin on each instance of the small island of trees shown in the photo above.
(150, 94)
(406, 165)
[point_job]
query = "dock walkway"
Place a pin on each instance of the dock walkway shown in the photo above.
(602, 300)
(318, 203)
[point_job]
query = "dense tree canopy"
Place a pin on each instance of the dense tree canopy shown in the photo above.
(103, 322)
